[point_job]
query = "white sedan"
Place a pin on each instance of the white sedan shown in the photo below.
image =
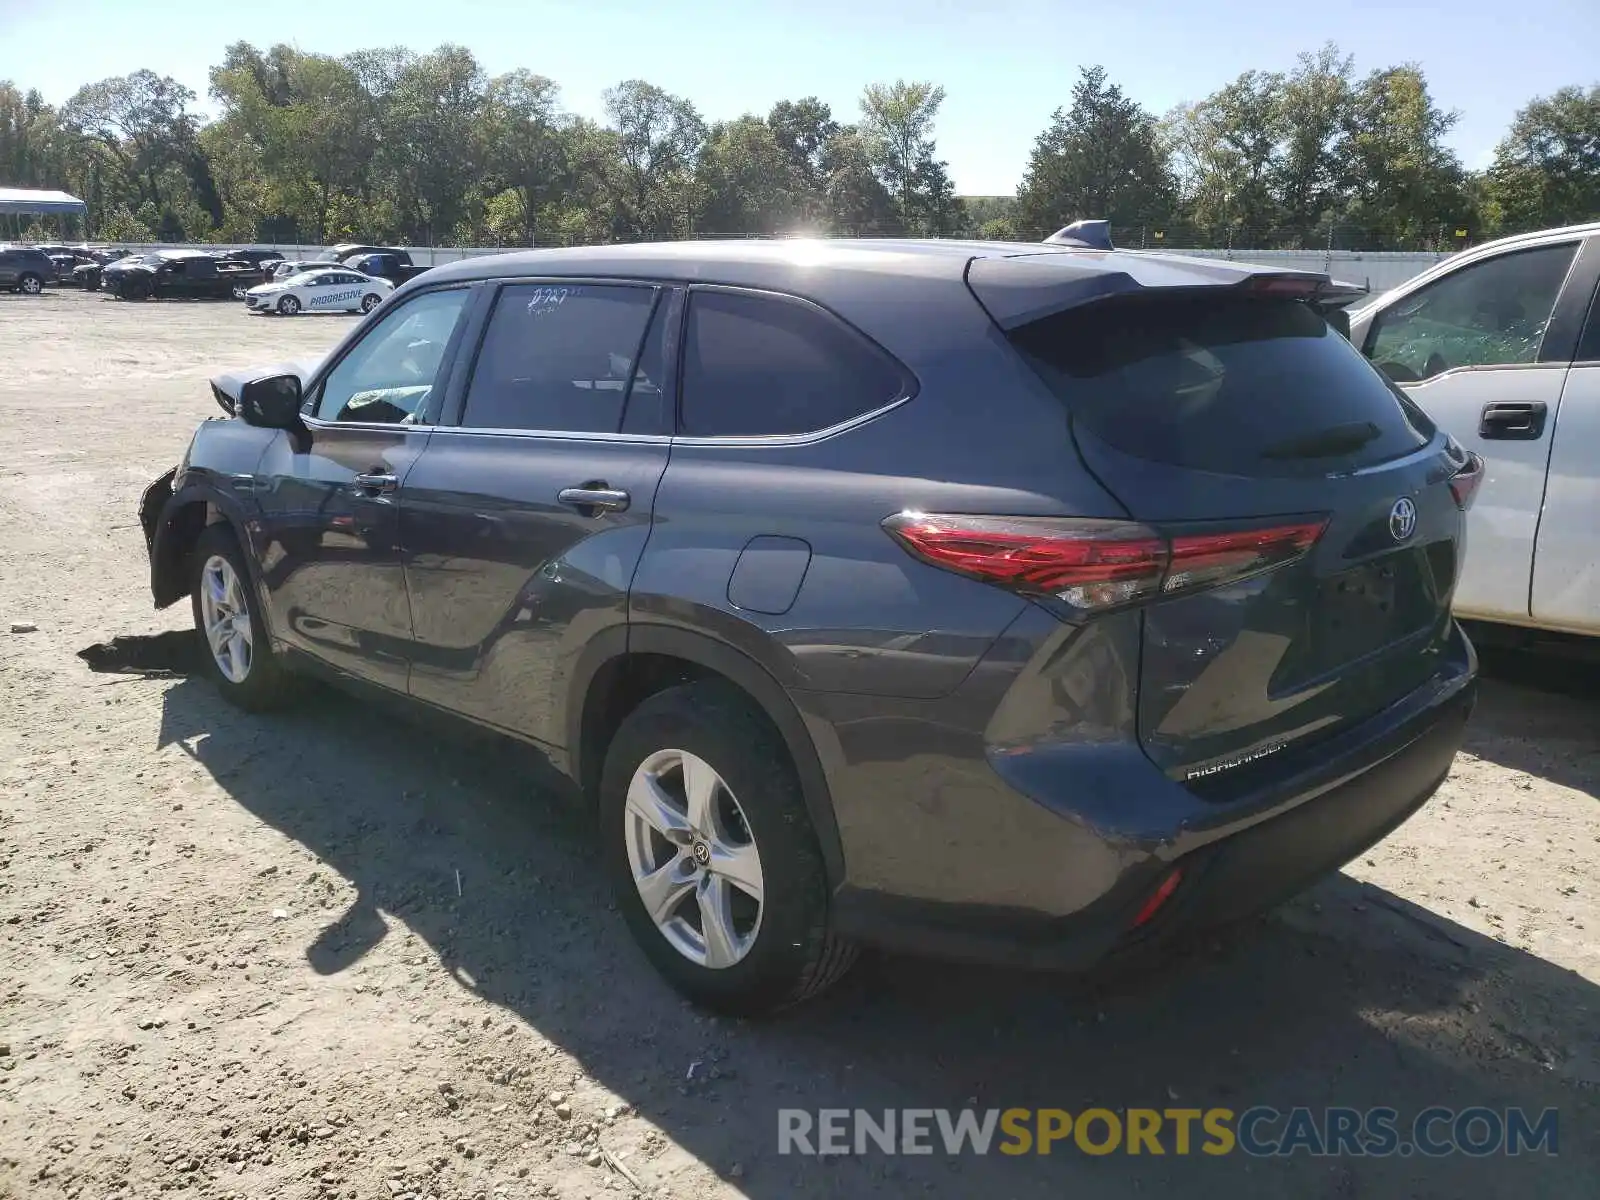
(329, 289)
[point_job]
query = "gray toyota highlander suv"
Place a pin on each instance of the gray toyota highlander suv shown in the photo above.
(1018, 603)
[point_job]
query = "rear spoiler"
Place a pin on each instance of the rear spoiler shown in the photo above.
(1020, 289)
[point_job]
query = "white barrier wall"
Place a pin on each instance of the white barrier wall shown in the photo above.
(1377, 271)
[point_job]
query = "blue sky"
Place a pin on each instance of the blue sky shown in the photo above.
(1005, 64)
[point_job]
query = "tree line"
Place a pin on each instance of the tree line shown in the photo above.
(390, 145)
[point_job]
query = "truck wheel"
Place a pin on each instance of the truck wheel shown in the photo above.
(712, 857)
(235, 651)
(288, 306)
(137, 289)
(370, 301)
(30, 284)
(92, 284)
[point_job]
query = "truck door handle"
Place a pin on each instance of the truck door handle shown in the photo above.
(374, 484)
(1512, 422)
(594, 498)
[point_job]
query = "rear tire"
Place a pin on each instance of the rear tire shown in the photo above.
(235, 652)
(30, 284)
(786, 952)
(288, 306)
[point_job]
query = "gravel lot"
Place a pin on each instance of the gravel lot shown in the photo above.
(323, 954)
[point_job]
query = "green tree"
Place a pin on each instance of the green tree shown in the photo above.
(1313, 110)
(1401, 182)
(648, 173)
(429, 148)
(1100, 158)
(858, 205)
(1546, 171)
(523, 148)
(748, 182)
(897, 127)
(142, 123)
(1225, 151)
(802, 130)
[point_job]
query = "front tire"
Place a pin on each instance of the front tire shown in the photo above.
(235, 651)
(712, 857)
(30, 284)
(288, 306)
(370, 301)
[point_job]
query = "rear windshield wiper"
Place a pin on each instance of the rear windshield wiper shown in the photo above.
(1325, 443)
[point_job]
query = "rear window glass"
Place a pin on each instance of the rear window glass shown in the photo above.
(1242, 386)
(756, 365)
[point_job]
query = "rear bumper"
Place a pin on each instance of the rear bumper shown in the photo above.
(1123, 832)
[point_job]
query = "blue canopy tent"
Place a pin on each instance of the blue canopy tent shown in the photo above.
(17, 204)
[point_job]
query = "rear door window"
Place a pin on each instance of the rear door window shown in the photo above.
(761, 365)
(559, 357)
(1230, 384)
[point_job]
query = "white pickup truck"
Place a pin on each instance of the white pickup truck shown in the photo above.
(1501, 346)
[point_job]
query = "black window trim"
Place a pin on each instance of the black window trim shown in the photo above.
(447, 364)
(909, 384)
(1559, 343)
(667, 305)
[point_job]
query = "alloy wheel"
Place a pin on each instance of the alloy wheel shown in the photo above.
(693, 859)
(226, 619)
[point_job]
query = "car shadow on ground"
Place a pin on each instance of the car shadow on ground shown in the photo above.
(1351, 996)
(1541, 714)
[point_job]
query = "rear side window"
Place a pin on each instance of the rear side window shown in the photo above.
(559, 357)
(1230, 384)
(757, 365)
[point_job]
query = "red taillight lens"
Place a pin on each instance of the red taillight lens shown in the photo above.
(1095, 564)
(1090, 564)
(1464, 483)
(1203, 559)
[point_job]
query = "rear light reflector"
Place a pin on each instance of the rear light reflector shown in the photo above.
(1092, 564)
(1160, 896)
(1202, 559)
(1465, 482)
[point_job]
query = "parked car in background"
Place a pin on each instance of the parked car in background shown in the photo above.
(186, 274)
(1501, 346)
(69, 259)
(25, 269)
(291, 267)
(392, 264)
(87, 275)
(327, 289)
(266, 260)
(1149, 639)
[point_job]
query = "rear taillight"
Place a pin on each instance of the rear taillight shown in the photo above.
(1464, 483)
(1094, 564)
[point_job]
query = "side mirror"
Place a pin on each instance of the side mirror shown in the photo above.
(272, 403)
(1339, 318)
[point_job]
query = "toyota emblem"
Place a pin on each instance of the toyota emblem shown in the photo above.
(1403, 519)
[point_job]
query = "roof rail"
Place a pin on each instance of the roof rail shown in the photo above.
(1092, 235)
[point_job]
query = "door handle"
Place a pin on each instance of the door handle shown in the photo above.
(594, 497)
(1513, 422)
(374, 484)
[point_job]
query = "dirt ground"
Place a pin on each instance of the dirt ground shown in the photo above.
(328, 954)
